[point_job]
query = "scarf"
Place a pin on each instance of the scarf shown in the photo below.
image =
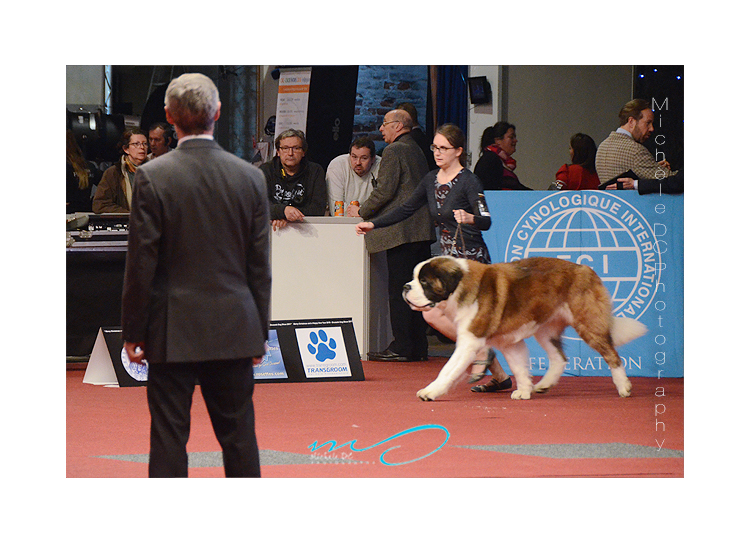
(128, 172)
(508, 162)
(129, 164)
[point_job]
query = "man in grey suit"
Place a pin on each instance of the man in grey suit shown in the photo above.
(196, 297)
(406, 243)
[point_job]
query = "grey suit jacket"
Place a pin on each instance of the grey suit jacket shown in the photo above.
(197, 273)
(401, 168)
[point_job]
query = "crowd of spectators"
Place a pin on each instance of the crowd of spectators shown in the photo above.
(299, 188)
(404, 197)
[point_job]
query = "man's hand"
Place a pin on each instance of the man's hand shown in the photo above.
(352, 211)
(627, 184)
(363, 227)
(136, 352)
(293, 214)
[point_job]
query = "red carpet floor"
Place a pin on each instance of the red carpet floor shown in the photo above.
(379, 429)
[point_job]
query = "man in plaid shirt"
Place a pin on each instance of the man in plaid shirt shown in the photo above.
(623, 149)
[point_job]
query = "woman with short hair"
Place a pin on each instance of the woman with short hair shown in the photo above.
(115, 191)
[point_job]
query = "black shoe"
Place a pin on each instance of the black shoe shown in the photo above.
(386, 355)
(494, 385)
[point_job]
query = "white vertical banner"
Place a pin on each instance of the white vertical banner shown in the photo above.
(291, 106)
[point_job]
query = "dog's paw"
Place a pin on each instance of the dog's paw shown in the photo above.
(625, 388)
(621, 381)
(430, 393)
(541, 389)
(518, 394)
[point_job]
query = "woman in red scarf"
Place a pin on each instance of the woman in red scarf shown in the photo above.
(496, 167)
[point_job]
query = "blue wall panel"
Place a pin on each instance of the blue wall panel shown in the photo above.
(635, 244)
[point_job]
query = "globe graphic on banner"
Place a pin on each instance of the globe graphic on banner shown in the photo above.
(611, 245)
(137, 371)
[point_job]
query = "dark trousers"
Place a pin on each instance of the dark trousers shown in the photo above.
(227, 388)
(408, 326)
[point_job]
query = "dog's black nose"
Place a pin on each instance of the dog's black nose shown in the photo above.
(407, 287)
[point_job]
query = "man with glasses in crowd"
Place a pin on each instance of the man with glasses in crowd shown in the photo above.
(406, 243)
(296, 186)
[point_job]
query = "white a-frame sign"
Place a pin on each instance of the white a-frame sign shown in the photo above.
(109, 364)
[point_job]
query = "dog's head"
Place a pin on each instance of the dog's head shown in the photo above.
(434, 281)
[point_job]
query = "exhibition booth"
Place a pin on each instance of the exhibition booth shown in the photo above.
(327, 285)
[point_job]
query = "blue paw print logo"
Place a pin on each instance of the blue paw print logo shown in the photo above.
(321, 346)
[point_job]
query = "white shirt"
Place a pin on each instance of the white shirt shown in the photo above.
(197, 136)
(345, 185)
(623, 131)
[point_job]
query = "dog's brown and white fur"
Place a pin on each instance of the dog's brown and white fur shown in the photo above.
(500, 305)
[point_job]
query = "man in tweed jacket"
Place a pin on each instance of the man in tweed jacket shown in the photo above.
(623, 149)
(406, 243)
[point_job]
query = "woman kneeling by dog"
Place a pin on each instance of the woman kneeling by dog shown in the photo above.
(454, 197)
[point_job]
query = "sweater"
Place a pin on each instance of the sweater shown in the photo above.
(305, 190)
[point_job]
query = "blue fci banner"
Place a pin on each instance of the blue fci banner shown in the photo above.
(634, 243)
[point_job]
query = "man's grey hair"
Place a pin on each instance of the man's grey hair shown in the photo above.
(403, 117)
(193, 100)
(291, 132)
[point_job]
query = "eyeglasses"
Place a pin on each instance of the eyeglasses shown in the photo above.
(138, 144)
(440, 150)
(389, 122)
(288, 149)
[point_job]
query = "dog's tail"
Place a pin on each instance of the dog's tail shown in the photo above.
(624, 330)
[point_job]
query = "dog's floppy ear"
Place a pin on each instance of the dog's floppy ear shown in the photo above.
(452, 276)
(443, 276)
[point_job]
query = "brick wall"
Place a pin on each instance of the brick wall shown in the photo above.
(380, 89)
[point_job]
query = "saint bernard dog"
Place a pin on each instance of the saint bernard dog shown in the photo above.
(500, 305)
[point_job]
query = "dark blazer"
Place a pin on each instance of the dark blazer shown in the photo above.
(197, 274)
(402, 166)
(424, 143)
(674, 184)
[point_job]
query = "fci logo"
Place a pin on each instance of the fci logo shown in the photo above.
(600, 230)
